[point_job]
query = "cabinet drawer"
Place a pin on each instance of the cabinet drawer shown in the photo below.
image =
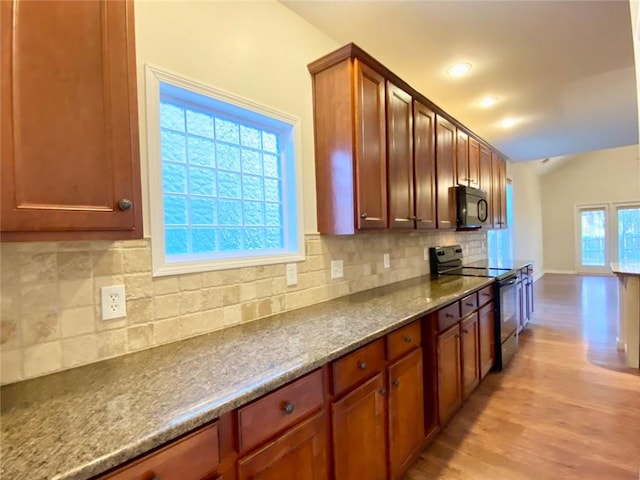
(447, 316)
(485, 295)
(403, 340)
(468, 304)
(191, 457)
(280, 409)
(357, 366)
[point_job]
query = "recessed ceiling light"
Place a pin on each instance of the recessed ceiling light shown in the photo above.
(508, 122)
(459, 69)
(488, 102)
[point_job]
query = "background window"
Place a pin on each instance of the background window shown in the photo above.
(227, 185)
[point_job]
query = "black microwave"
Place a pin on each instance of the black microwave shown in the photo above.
(472, 209)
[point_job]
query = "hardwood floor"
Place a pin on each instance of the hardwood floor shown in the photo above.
(565, 407)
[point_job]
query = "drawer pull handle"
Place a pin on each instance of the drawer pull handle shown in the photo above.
(408, 339)
(396, 383)
(362, 365)
(383, 391)
(125, 204)
(448, 315)
(364, 216)
(412, 217)
(484, 294)
(465, 330)
(469, 304)
(288, 408)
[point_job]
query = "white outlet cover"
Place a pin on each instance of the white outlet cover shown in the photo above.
(426, 254)
(292, 274)
(114, 303)
(337, 270)
(386, 261)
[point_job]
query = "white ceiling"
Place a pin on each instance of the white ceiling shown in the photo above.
(563, 69)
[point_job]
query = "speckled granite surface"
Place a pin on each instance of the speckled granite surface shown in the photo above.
(81, 422)
(626, 268)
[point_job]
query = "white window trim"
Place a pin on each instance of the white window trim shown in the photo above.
(585, 269)
(153, 77)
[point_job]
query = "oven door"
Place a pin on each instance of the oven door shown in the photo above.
(509, 307)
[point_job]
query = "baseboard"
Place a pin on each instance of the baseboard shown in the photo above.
(562, 272)
(538, 276)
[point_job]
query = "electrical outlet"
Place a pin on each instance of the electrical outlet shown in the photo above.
(426, 254)
(113, 302)
(292, 274)
(386, 261)
(336, 269)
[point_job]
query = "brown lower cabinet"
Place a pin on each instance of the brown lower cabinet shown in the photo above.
(359, 445)
(366, 415)
(300, 453)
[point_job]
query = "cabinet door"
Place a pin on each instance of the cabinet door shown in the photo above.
(496, 187)
(300, 453)
(474, 163)
(69, 121)
(462, 157)
(424, 166)
(406, 411)
(359, 445)
(503, 191)
(400, 158)
(486, 180)
(445, 171)
(470, 354)
(449, 381)
(371, 152)
(487, 339)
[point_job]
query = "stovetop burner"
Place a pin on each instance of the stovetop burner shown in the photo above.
(449, 261)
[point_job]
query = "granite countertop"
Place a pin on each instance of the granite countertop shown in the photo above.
(81, 422)
(501, 262)
(625, 268)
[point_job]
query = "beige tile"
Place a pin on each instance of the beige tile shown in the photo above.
(166, 306)
(213, 319)
(277, 304)
(278, 285)
(248, 274)
(165, 285)
(247, 292)
(112, 343)
(212, 297)
(231, 295)
(249, 311)
(38, 267)
(37, 247)
(140, 337)
(137, 260)
(168, 330)
(140, 311)
(101, 245)
(10, 366)
(139, 243)
(313, 279)
(264, 288)
(232, 315)
(76, 293)
(39, 326)
(212, 279)
(42, 359)
(9, 333)
(106, 263)
(79, 351)
(190, 282)
(39, 297)
(190, 302)
(264, 308)
(74, 246)
(138, 285)
(193, 324)
(77, 321)
(74, 265)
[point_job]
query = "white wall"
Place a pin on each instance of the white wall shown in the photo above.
(257, 50)
(527, 214)
(634, 7)
(604, 176)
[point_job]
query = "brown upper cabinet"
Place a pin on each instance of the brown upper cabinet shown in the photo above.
(400, 158)
(499, 182)
(486, 180)
(386, 156)
(445, 172)
(70, 159)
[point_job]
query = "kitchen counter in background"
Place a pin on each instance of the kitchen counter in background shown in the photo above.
(81, 422)
(629, 316)
(500, 262)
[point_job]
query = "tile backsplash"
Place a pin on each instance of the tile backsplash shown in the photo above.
(50, 316)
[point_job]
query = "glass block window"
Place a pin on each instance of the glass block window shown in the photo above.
(228, 183)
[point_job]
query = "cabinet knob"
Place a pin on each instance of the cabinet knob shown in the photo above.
(364, 215)
(288, 408)
(408, 339)
(125, 204)
(465, 330)
(362, 365)
(396, 383)
(419, 219)
(469, 304)
(383, 391)
(448, 315)
(413, 217)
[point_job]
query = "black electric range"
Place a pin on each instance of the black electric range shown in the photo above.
(449, 260)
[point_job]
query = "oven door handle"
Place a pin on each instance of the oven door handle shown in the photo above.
(509, 281)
